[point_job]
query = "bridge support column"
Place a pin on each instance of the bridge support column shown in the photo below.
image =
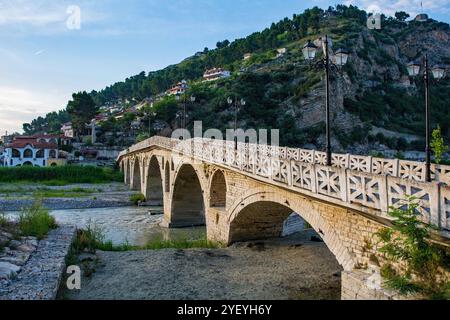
(217, 226)
(366, 285)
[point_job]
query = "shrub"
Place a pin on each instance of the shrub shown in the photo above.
(36, 221)
(136, 198)
(425, 264)
(88, 239)
(67, 174)
(3, 219)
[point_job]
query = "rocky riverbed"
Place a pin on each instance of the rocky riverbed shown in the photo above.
(289, 268)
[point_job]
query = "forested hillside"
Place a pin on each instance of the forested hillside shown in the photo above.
(372, 99)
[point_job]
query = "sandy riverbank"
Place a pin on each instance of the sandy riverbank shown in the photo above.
(289, 268)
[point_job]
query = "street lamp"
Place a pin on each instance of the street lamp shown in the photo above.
(339, 59)
(238, 104)
(438, 73)
(185, 101)
(150, 114)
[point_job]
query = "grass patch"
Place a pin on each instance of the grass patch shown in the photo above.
(71, 193)
(136, 198)
(36, 221)
(92, 238)
(58, 176)
(181, 244)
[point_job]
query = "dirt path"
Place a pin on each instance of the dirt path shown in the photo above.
(291, 268)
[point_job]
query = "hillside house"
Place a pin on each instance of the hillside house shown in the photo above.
(216, 74)
(179, 88)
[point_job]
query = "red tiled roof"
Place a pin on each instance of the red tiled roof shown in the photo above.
(22, 142)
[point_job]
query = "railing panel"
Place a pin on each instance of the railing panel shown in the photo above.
(364, 188)
(293, 154)
(445, 207)
(400, 189)
(302, 175)
(360, 163)
(329, 181)
(411, 170)
(280, 170)
(340, 160)
(305, 156)
(441, 173)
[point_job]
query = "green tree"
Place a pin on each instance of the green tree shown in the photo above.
(401, 16)
(413, 264)
(81, 109)
(438, 145)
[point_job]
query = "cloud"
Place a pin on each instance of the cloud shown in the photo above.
(39, 52)
(413, 7)
(19, 105)
(43, 16)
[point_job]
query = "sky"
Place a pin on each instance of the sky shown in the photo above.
(50, 49)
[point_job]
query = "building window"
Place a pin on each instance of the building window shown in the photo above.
(28, 153)
(52, 154)
(15, 153)
(40, 154)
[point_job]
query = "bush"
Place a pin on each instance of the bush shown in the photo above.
(425, 264)
(136, 198)
(88, 239)
(36, 221)
(65, 174)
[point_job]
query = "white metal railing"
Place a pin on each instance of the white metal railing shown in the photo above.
(368, 181)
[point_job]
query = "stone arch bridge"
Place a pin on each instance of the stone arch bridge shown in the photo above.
(246, 193)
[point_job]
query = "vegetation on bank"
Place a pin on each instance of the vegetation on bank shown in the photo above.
(137, 198)
(60, 175)
(34, 221)
(413, 264)
(92, 238)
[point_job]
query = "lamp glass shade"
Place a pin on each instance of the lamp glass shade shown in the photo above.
(413, 69)
(341, 57)
(438, 72)
(309, 50)
(243, 102)
(230, 101)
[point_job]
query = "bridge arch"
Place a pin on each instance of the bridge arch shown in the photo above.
(136, 177)
(188, 206)
(154, 185)
(261, 216)
(218, 190)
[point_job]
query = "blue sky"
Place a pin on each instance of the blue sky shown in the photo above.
(42, 61)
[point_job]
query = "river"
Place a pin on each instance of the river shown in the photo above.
(125, 224)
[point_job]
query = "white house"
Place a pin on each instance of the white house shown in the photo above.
(31, 150)
(179, 88)
(67, 130)
(215, 74)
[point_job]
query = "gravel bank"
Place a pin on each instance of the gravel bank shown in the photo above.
(291, 268)
(39, 278)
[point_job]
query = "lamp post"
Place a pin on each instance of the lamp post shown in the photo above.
(185, 99)
(438, 73)
(150, 114)
(339, 59)
(238, 104)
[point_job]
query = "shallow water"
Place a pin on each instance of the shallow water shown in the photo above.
(126, 224)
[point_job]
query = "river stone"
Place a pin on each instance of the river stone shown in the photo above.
(16, 257)
(87, 257)
(14, 243)
(26, 248)
(8, 270)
